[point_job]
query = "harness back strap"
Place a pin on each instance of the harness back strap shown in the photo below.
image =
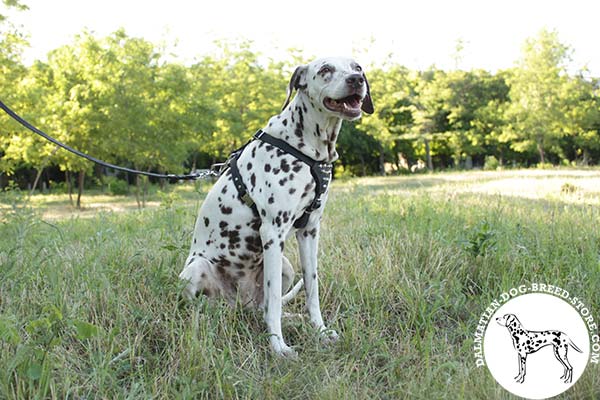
(320, 171)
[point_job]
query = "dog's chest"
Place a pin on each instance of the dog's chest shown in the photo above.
(227, 230)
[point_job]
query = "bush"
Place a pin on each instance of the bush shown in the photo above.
(116, 186)
(491, 163)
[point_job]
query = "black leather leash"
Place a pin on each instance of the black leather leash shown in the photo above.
(171, 177)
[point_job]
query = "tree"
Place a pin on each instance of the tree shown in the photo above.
(243, 92)
(474, 101)
(536, 113)
(583, 116)
(391, 89)
(430, 118)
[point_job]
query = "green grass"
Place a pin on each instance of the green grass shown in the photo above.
(89, 306)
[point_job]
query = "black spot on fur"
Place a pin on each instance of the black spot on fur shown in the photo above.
(298, 131)
(285, 167)
(253, 180)
(253, 243)
(271, 199)
(267, 168)
(206, 221)
(226, 210)
(249, 166)
(292, 190)
(297, 166)
(267, 245)
(307, 189)
(223, 224)
(284, 122)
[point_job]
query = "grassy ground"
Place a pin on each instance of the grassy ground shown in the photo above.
(88, 306)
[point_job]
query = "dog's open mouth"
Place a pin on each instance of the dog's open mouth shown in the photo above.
(349, 106)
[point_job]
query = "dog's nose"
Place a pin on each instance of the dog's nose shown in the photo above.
(355, 80)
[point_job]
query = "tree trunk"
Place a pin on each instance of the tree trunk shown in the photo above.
(363, 166)
(42, 166)
(428, 155)
(145, 191)
(69, 186)
(586, 158)
(35, 182)
(137, 192)
(80, 180)
(381, 160)
(542, 153)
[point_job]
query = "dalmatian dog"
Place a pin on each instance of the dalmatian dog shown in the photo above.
(238, 240)
(528, 342)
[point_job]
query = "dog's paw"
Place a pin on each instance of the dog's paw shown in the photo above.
(288, 353)
(329, 336)
(283, 350)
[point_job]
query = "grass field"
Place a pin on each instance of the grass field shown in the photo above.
(89, 303)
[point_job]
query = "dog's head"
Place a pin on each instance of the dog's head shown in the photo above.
(508, 320)
(336, 85)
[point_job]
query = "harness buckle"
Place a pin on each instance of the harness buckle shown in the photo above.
(259, 134)
(247, 200)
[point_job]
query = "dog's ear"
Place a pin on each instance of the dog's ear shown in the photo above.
(367, 105)
(297, 82)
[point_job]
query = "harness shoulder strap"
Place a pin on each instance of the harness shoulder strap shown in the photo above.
(237, 180)
(320, 171)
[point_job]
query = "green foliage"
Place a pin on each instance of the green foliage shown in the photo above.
(481, 240)
(118, 99)
(491, 163)
(116, 186)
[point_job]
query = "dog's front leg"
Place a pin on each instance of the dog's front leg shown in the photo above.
(271, 239)
(308, 240)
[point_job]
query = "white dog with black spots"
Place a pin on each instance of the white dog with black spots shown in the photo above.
(238, 254)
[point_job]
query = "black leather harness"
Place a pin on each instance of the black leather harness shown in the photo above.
(320, 171)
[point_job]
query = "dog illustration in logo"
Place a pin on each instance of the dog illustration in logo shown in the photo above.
(528, 342)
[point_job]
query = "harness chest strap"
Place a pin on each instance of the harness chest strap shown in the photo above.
(320, 171)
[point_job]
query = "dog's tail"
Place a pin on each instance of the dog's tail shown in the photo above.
(293, 292)
(573, 346)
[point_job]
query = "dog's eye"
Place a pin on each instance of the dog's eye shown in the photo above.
(358, 68)
(325, 70)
